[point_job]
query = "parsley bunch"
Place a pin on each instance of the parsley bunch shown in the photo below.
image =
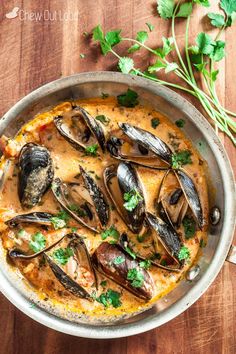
(199, 57)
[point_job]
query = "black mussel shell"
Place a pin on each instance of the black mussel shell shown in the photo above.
(77, 275)
(191, 196)
(124, 179)
(148, 141)
(35, 174)
(166, 234)
(83, 129)
(97, 196)
(35, 218)
(93, 214)
(104, 260)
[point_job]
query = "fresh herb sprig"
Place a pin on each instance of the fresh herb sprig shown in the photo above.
(200, 57)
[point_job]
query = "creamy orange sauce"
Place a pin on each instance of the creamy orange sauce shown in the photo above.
(66, 163)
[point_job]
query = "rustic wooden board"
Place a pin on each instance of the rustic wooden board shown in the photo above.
(36, 52)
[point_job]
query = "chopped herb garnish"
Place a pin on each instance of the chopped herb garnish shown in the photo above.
(128, 99)
(181, 158)
(38, 242)
(130, 252)
(146, 264)
(111, 297)
(103, 283)
(163, 262)
(62, 255)
(104, 95)
(60, 220)
(184, 253)
(155, 122)
(91, 150)
(74, 229)
(180, 123)
(21, 233)
(189, 227)
(82, 56)
(79, 211)
(136, 278)
(103, 119)
(118, 260)
(132, 199)
(111, 232)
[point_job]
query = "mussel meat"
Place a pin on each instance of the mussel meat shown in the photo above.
(35, 174)
(125, 190)
(71, 265)
(84, 201)
(80, 129)
(127, 272)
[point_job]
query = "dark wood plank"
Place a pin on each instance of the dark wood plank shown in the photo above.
(35, 52)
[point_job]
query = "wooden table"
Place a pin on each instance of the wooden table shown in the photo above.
(36, 52)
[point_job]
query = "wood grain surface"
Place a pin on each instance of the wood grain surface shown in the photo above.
(36, 51)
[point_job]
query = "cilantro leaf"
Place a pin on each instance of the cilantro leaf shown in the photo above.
(98, 33)
(217, 20)
(62, 255)
(171, 67)
(189, 227)
(165, 8)
(181, 158)
(167, 47)
(185, 9)
(184, 253)
(204, 3)
(150, 26)
(180, 123)
(130, 252)
(141, 37)
(58, 223)
(205, 43)
(128, 99)
(111, 232)
(119, 260)
(111, 297)
(146, 264)
(136, 277)
(108, 41)
(158, 65)
(218, 52)
(125, 65)
(131, 199)
(113, 37)
(155, 122)
(229, 6)
(91, 150)
(38, 242)
(103, 119)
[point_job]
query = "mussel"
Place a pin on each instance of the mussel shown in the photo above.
(125, 190)
(188, 187)
(71, 265)
(171, 202)
(35, 174)
(140, 147)
(41, 218)
(84, 201)
(127, 272)
(166, 234)
(80, 129)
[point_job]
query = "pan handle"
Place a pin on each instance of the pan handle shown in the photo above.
(231, 257)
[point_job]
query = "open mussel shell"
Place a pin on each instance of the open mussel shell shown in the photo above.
(17, 253)
(104, 260)
(123, 179)
(171, 204)
(191, 195)
(37, 217)
(85, 202)
(35, 174)
(147, 142)
(80, 129)
(166, 234)
(77, 275)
